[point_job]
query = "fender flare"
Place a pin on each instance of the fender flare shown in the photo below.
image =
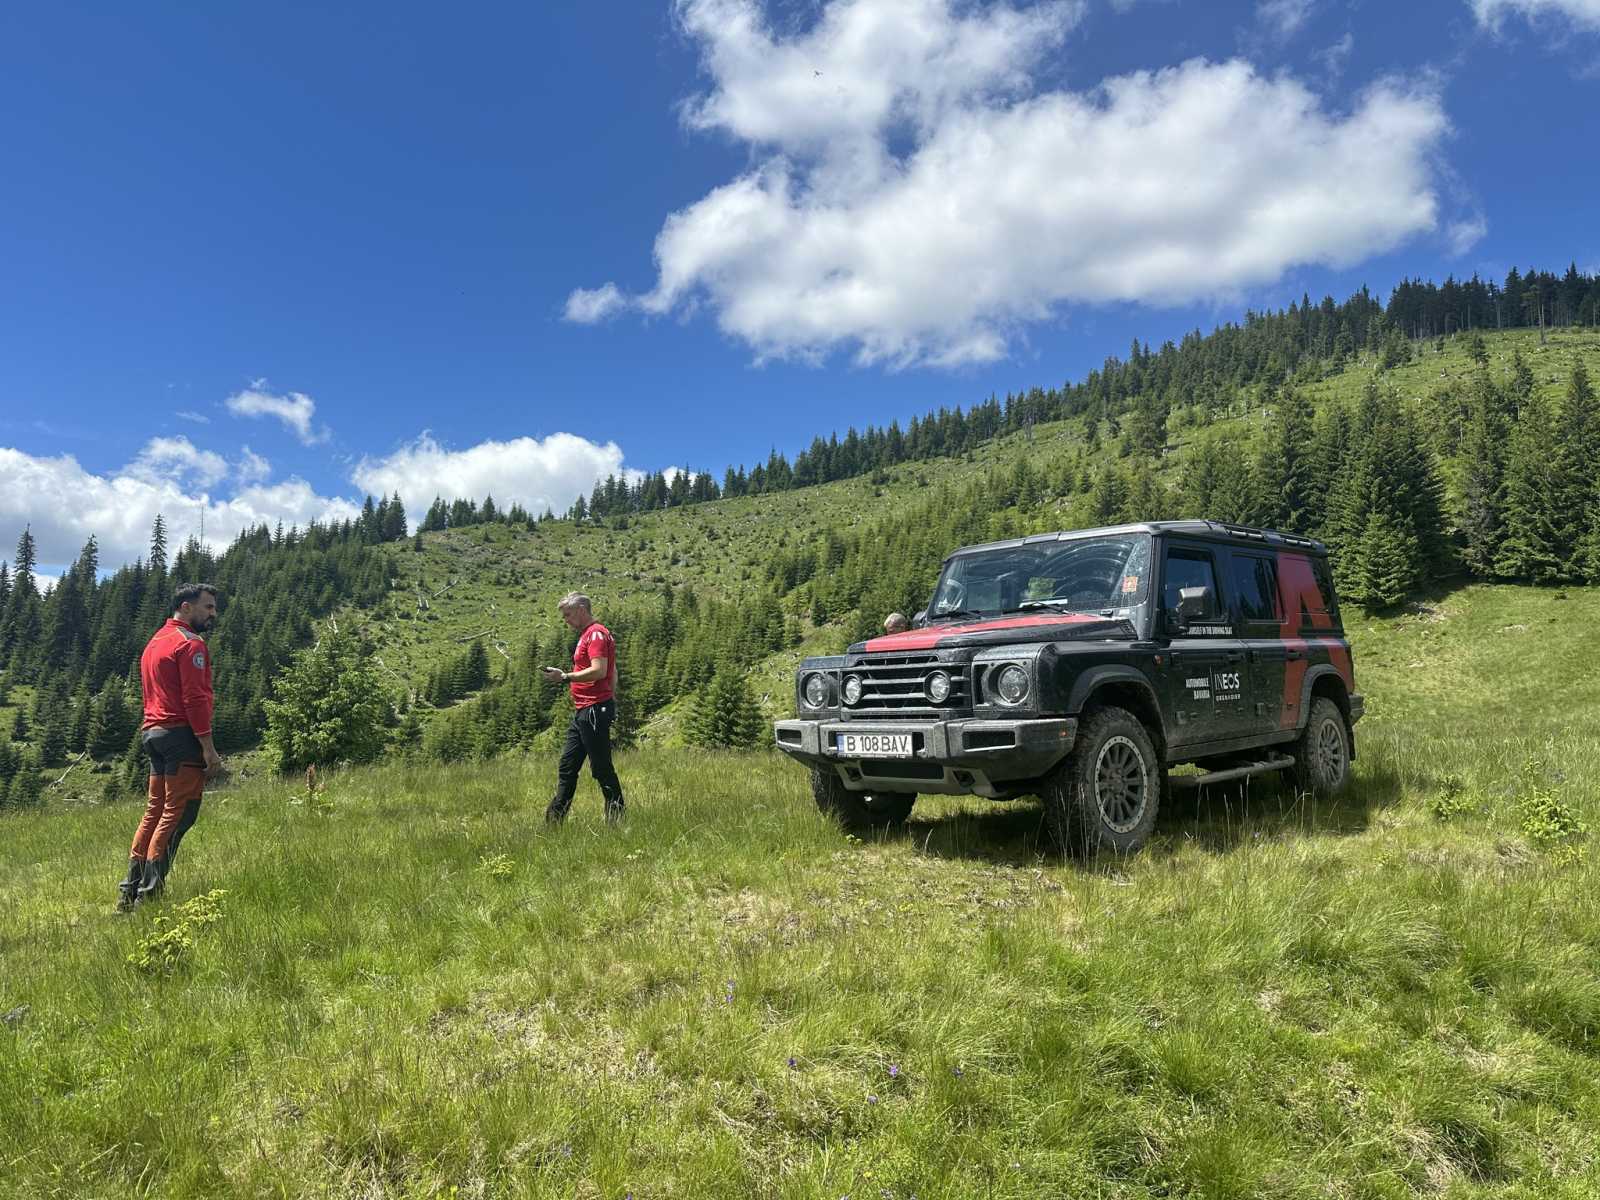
(1316, 672)
(1097, 677)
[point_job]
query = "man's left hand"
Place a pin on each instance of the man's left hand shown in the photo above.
(553, 674)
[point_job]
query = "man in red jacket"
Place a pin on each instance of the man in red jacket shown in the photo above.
(176, 672)
(594, 698)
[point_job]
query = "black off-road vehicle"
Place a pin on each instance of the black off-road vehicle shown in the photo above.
(1080, 667)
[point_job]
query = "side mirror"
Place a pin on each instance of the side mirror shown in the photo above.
(1193, 604)
(919, 618)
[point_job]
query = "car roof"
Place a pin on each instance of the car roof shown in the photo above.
(1215, 531)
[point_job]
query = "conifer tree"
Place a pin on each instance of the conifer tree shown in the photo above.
(1483, 449)
(1540, 539)
(1284, 470)
(724, 715)
(330, 706)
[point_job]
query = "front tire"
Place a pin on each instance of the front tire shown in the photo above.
(1104, 798)
(1322, 755)
(858, 810)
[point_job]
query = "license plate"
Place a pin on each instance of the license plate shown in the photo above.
(874, 745)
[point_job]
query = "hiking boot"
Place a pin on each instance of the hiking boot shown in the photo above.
(153, 879)
(128, 889)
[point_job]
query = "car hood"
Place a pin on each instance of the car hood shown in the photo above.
(1031, 627)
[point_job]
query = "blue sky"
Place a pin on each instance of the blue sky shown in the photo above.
(256, 262)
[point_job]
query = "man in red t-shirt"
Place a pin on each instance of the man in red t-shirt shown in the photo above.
(175, 670)
(594, 697)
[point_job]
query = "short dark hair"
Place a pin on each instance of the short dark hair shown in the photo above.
(188, 593)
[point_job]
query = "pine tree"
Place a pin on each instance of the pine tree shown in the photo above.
(724, 715)
(158, 546)
(330, 706)
(1385, 562)
(1482, 519)
(1284, 470)
(27, 788)
(1538, 538)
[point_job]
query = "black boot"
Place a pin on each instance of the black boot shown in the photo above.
(128, 889)
(153, 880)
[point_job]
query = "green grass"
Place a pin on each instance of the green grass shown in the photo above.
(418, 991)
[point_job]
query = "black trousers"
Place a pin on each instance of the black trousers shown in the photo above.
(589, 736)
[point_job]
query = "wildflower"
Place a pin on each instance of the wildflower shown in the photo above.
(959, 1072)
(792, 1063)
(894, 1071)
(871, 1099)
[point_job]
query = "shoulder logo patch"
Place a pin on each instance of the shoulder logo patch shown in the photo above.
(200, 661)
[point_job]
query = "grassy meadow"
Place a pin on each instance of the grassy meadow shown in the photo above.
(404, 986)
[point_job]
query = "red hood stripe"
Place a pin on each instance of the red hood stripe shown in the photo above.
(924, 639)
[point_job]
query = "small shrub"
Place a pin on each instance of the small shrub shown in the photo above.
(1547, 820)
(496, 866)
(171, 939)
(1452, 799)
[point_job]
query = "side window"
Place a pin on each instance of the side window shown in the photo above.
(1186, 569)
(1255, 582)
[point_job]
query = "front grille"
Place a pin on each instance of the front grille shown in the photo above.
(892, 686)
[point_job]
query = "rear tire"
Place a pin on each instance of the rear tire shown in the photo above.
(1322, 754)
(1104, 798)
(858, 810)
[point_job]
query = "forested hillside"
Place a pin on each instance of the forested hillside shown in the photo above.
(1451, 433)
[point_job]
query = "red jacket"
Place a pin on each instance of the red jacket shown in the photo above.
(176, 671)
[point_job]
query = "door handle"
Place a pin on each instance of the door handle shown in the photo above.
(1294, 655)
(1233, 656)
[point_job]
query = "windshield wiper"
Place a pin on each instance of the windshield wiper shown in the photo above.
(1030, 604)
(957, 612)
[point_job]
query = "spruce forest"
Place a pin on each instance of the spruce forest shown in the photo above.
(1447, 435)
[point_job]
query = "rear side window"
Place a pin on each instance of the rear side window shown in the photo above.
(1186, 569)
(1255, 582)
(1307, 585)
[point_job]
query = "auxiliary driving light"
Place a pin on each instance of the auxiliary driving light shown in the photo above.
(852, 690)
(938, 687)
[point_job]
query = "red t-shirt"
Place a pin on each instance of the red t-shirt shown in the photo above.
(175, 669)
(595, 642)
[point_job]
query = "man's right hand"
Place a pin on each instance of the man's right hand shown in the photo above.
(214, 765)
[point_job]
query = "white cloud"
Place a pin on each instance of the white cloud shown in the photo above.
(295, 410)
(538, 474)
(64, 504)
(197, 418)
(1465, 234)
(1333, 58)
(179, 460)
(1284, 18)
(913, 199)
(253, 468)
(1585, 14)
(586, 306)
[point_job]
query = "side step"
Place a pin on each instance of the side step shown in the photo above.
(1255, 768)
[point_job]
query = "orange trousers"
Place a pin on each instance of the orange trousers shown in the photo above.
(170, 796)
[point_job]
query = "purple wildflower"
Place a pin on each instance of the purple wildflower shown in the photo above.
(792, 1063)
(871, 1099)
(959, 1072)
(894, 1071)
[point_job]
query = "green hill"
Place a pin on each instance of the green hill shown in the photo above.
(407, 987)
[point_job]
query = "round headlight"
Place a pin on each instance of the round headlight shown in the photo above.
(852, 690)
(938, 687)
(1012, 685)
(815, 691)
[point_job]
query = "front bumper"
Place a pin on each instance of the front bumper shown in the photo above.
(957, 757)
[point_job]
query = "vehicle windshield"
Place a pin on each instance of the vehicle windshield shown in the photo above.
(1102, 575)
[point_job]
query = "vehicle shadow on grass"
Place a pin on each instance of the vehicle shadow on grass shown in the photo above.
(1219, 819)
